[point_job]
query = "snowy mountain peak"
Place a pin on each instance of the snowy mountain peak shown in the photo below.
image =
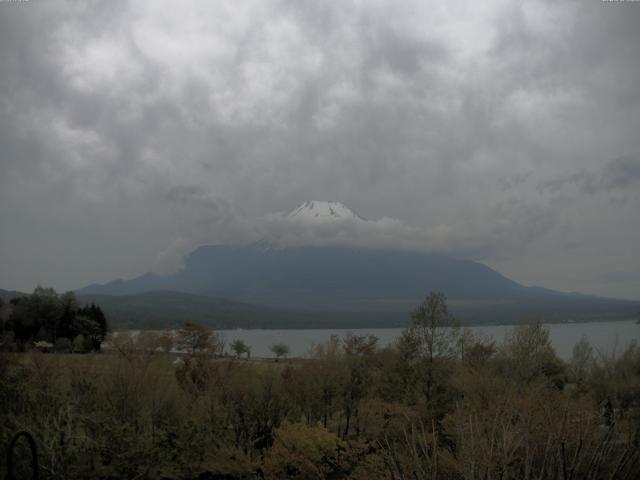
(320, 210)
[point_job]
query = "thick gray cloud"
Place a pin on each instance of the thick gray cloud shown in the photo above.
(501, 131)
(619, 175)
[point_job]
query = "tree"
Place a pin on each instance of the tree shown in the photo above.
(63, 345)
(302, 452)
(2, 316)
(432, 343)
(437, 331)
(478, 353)
(68, 311)
(279, 350)
(79, 344)
(36, 314)
(581, 360)
(530, 355)
(46, 316)
(358, 351)
(359, 345)
(97, 331)
(239, 347)
(165, 341)
(326, 374)
(193, 337)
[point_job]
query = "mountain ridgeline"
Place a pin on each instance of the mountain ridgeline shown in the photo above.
(322, 277)
(339, 286)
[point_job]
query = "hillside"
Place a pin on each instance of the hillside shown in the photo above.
(337, 286)
(162, 309)
(334, 278)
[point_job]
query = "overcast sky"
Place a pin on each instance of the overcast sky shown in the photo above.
(505, 132)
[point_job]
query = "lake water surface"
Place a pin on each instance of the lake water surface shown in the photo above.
(607, 337)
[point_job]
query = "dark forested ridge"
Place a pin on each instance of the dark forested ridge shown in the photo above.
(337, 286)
(162, 309)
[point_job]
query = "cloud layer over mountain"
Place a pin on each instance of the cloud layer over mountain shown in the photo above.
(501, 131)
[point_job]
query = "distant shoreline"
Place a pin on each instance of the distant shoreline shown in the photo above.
(378, 327)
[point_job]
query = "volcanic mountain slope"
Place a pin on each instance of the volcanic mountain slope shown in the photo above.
(358, 280)
(323, 277)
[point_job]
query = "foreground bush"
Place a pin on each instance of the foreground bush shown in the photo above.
(300, 452)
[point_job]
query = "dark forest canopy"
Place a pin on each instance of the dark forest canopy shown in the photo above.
(52, 321)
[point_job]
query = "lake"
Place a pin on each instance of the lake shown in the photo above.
(609, 337)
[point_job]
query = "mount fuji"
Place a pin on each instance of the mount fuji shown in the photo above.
(375, 285)
(315, 211)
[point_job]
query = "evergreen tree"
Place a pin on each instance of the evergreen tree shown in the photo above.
(46, 316)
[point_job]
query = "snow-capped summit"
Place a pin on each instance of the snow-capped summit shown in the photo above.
(319, 210)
